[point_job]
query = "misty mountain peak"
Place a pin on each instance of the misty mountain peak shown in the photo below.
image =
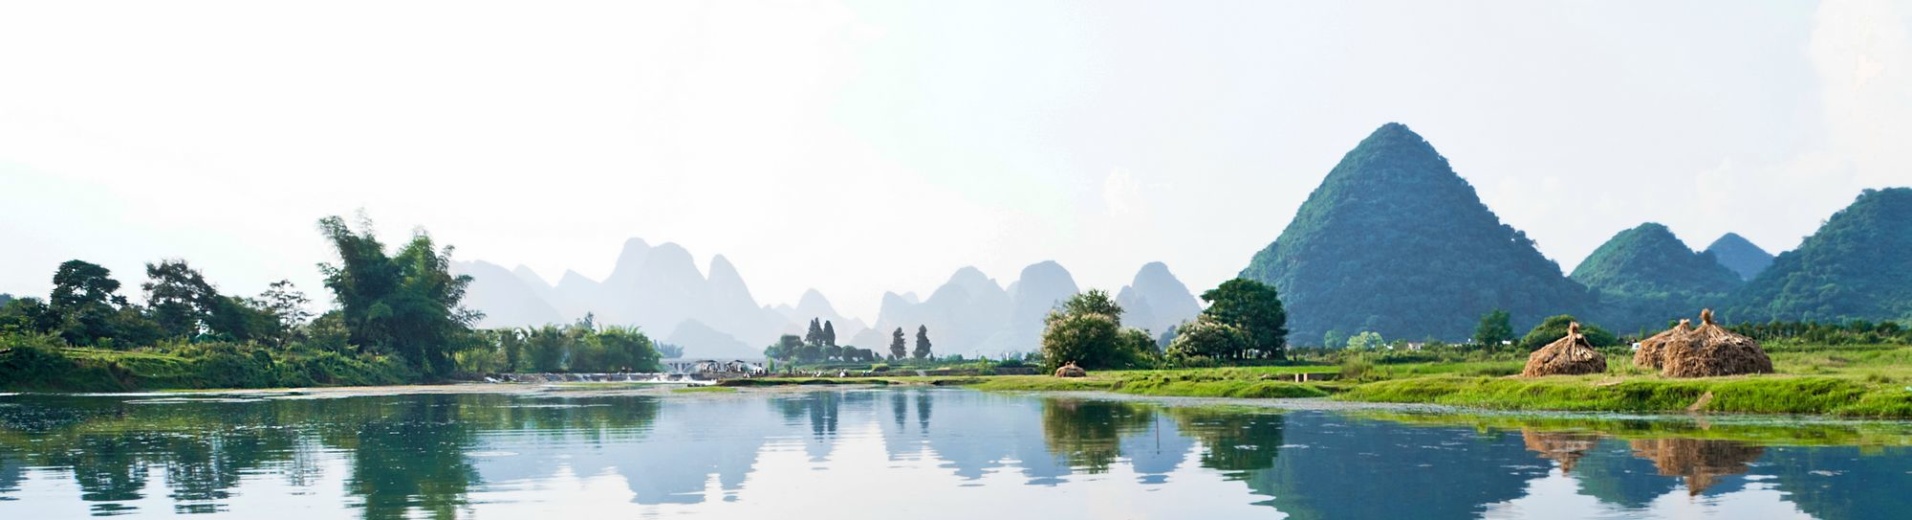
(573, 279)
(721, 269)
(812, 299)
(530, 277)
(1156, 299)
(1741, 255)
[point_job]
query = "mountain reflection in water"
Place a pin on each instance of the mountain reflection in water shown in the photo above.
(935, 453)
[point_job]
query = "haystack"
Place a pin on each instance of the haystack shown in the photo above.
(1071, 370)
(1652, 352)
(1711, 350)
(1564, 447)
(1571, 355)
(1698, 462)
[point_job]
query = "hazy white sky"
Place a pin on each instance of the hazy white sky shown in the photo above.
(866, 146)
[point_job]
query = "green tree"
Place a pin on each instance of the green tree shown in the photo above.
(922, 343)
(1255, 308)
(670, 351)
(1555, 327)
(287, 305)
(511, 343)
(546, 346)
(178, 298)
(1366, 340)
(829, 334)
(1495, 327)
(813, 336)
(1208, 338)
(1093, 301)
(1334, 339)
(238, 319)
(407, 303)
(625, 349)
(898, 347)
(85, 297)
(182, 304)
(1086, 329)
(1132, 345)
(28, 315)
(792, 346)
(1088, 340)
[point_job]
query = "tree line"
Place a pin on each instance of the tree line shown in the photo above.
(819, 345)
(397, 314)
(1244, 321)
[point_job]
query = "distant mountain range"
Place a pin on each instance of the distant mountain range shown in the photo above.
(1645, 277)
(1856, 266)
(1395, 242)
(659, 289)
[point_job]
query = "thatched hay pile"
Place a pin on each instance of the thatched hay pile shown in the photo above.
(1071, 370)
(1652, 352)
(1571, 355)
(1699, 462)
(1711, 350)
(1564, 447)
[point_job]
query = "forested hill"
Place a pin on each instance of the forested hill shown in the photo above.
(1393, 241)
(1857, 266)
(1740, 255)
(1645, 276)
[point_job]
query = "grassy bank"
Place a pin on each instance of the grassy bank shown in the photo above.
(1855, 381)
(1257, 382)
(1864, 381)
(26, 366)
(1241, 383)
(1845, 397)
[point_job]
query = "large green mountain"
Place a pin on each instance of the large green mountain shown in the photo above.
(1645, 276)
(1857, 266)
(1740, 255)
(1393, 241)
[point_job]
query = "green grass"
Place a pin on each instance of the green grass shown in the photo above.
(1243, 383)
(704, 390)
(35, 366)
(1865, 381)
(790, 381)
(1845, 397)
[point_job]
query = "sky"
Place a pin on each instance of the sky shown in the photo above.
(869, 146)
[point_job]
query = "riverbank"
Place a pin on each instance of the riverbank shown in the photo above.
(1860, 382)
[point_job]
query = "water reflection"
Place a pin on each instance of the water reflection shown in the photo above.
(1698, 462)
(458, 455)
(1565, 448)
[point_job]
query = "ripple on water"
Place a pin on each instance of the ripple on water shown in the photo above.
(183, 400)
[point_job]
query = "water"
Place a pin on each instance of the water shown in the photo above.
(912, 453)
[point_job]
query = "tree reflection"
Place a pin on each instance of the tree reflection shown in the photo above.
(1088, 433)
(1233, 440)
(410, 453)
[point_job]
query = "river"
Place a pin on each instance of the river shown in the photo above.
(917, 453)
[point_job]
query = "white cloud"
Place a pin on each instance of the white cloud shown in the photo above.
(1863, 56)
